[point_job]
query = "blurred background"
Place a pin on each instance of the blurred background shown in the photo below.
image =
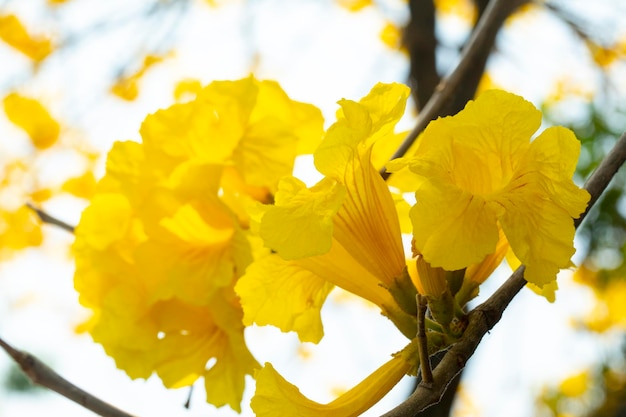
(87, 72)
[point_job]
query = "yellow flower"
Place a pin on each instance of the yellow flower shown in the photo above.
(343, 231)
(479, 170)
(33, 118)
(13, 32)
(19, 229)
(160, 248)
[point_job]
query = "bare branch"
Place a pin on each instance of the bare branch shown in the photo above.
(445, 91)
(419, 39)
(40, 374)
(46, 218)
(485, 316)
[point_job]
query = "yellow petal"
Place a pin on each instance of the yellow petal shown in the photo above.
(196, 253)
(33, 118)
(191, 130)
(554, 154)
(362, 123)
(282, 293)
(276, 397)
(452, 229)
(540, 234)
(479, 272)
(225, 381)
(301, 222)
(279, 129)
(367, 223)
(548, 291)
(105, 220)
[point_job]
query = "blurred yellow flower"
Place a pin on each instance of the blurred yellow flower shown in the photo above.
(31, 116)
(479, 171)
(82, 186)
(604, 56)
(19, 229)
(391, 35)
(355, 5)
(464, 9)
(575, 385)
(13, 32)
(127, 87)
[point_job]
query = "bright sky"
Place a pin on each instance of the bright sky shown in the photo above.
(319, 53)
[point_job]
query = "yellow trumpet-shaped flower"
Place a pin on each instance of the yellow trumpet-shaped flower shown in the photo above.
(343, 231)
(479, 170)
(276, 397)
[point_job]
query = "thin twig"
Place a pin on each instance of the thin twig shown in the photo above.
(422, 341)
(46, 218)
(446, 88)
(485, 316)
(40, 374)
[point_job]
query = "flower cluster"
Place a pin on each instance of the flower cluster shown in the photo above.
(160, 247)
(200, 230)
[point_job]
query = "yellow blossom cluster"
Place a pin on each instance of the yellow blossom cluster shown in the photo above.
(482, 187)
(199, 230)
(163, 242)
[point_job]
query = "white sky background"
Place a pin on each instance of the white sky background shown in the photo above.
(319, 53)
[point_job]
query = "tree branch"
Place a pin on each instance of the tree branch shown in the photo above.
(484, 317)
(46, 218)
(421, 43)
(40, 374)
(445, 91)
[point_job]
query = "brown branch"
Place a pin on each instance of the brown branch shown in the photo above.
(468, 85)
(46, 218)
(421, 43)
(484, 317)
(40, 374)
(446, 90)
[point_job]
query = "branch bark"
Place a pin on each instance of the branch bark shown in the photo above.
(46, 218)
(421, 43)
(484, 317)
(39, 373)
